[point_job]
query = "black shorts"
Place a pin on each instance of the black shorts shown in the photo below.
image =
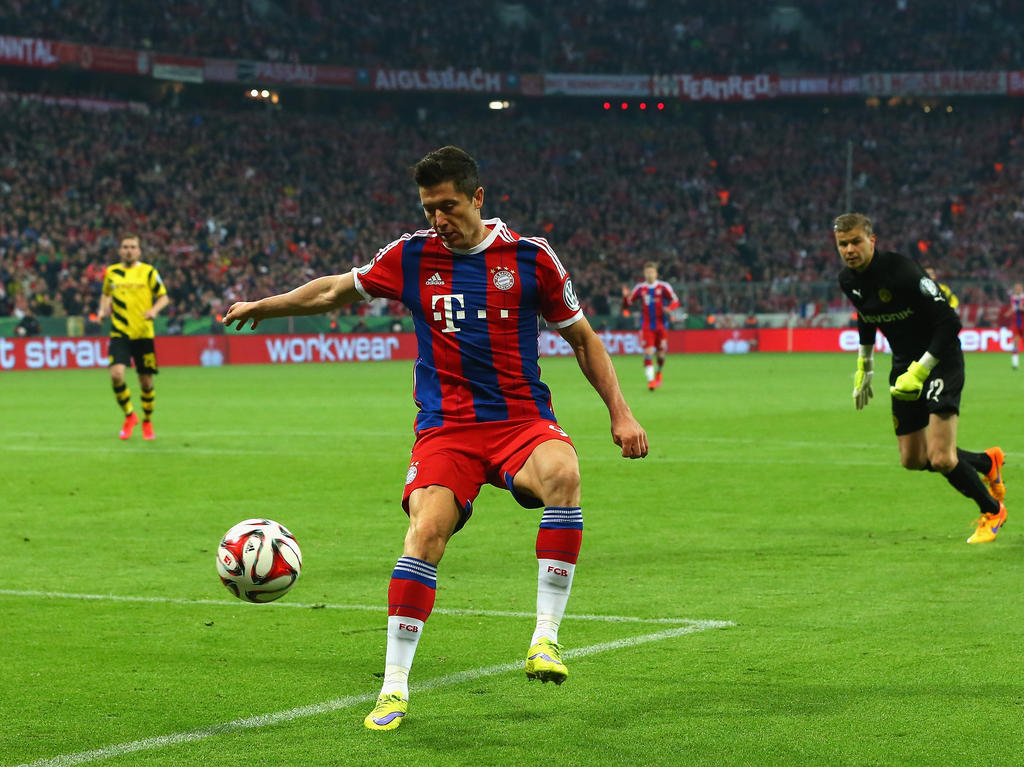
(123, 350)
(940, 394)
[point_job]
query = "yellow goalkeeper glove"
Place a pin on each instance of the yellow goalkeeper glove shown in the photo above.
(908, 386)
(862, 382)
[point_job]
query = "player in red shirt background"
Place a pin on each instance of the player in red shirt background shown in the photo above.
(476, 291)
(656, 299)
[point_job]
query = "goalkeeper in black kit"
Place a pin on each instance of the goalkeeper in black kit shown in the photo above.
(892, 293)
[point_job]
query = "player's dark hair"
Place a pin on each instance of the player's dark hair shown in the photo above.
(449, 163)
(850, 221)
(650, 265)
(130, 236)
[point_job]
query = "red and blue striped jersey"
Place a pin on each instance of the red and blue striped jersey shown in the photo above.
(656, 301)
(475, 315)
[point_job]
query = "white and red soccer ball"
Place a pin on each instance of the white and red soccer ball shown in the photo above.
(259, 560)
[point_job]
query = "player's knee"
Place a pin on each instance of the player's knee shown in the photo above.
(561, 483)
(427, 540)
(943, 462)
(914, 462)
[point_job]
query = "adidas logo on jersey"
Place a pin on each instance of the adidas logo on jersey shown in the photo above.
(434, 280)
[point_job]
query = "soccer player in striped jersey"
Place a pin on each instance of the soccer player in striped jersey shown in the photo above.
(476, 291)
(656, 299)
(133, 295)
(1017, 323)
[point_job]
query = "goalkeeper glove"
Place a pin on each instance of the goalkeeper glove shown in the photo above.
(908, 386)
(862, 382)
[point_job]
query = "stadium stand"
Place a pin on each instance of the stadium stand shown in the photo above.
(732, 200)
(608, 36)
(236, 204)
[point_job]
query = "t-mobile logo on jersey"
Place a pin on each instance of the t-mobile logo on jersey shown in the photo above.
(453, 307)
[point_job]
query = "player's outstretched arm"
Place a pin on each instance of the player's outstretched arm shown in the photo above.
(596, 365)
(315, 297)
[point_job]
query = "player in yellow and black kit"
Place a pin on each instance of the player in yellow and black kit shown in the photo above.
(892, 293)
(133, 294)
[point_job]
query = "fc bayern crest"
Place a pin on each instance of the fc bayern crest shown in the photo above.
(503, 279)
(410, 475)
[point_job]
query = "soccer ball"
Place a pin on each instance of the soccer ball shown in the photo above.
(258, 560)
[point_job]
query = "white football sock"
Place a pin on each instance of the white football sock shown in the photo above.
(403, 637)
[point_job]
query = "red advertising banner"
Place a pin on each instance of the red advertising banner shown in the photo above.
(716, 87)
(934, 83)
(824, 85)
(101, 59)
(277, 72)
(1015, 83)
(369, 347)
(28, 52)
(338, 76)
(597, 85)
(472, 81)
(220, 70)
(212, 351)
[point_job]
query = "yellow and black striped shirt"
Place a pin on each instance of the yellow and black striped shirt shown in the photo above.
(132, 290)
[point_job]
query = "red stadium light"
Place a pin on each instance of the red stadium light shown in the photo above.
(607, 105)
(624, 106)
(643, 105)
(661, 105)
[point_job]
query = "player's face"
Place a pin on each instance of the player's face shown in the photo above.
(1018, 288)
(856, 248)
(454, 216)
(129, 251)
(650, 274)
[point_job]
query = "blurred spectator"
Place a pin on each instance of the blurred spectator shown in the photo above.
(28, 325)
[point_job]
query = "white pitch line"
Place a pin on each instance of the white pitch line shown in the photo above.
(336, 435)
(381, 608)
(266, 720)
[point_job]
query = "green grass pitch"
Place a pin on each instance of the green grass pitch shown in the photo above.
(857, 626)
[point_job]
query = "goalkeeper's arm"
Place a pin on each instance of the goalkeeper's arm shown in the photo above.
(862, 378)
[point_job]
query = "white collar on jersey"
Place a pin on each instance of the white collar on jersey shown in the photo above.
(496, 225)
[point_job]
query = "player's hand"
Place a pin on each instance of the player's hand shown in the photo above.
(908, 386)
(242, 312)
(149, 314)
(862, 382)
(628, 434)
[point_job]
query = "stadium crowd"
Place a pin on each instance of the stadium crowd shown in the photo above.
(233, 205)
(599, 36)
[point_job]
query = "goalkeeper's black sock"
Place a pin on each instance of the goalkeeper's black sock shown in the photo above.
(979, 461)
(966, 480)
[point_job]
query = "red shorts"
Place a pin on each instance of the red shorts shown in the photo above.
(654, 338)
(465, 457)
